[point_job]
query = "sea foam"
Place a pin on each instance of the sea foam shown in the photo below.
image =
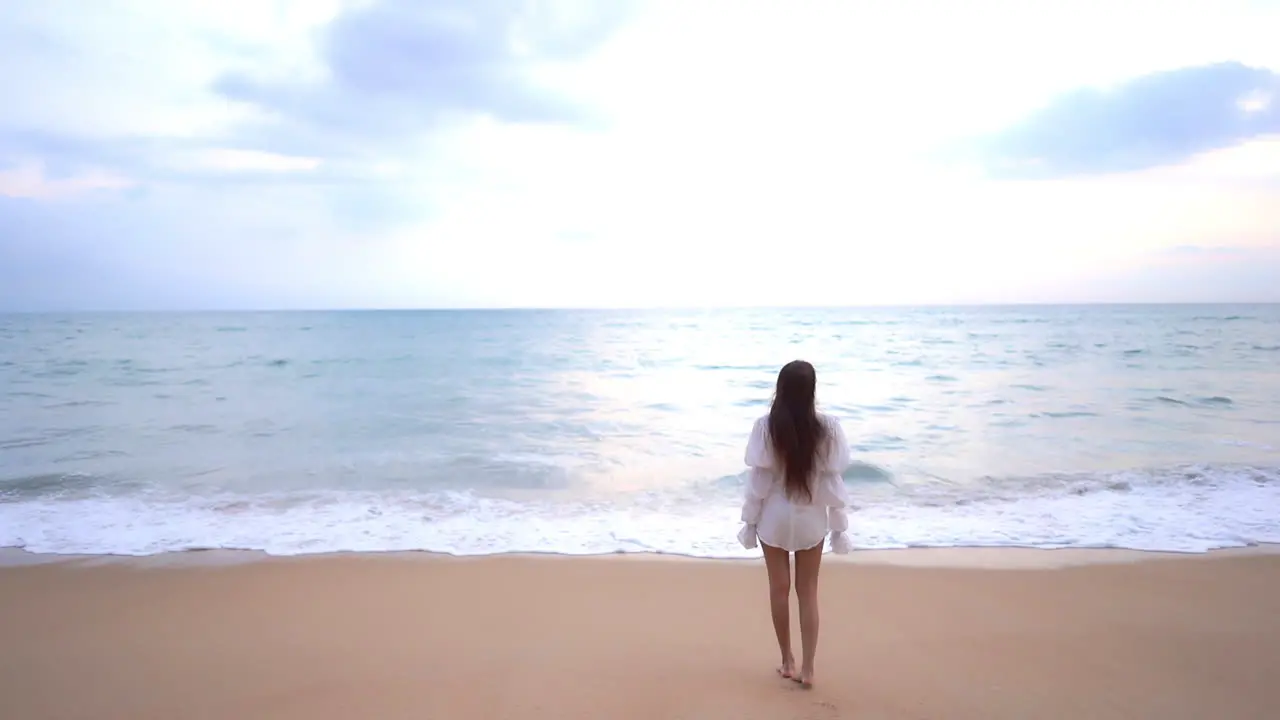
(1188, 509)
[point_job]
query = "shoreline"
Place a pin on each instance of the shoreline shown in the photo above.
(961, 557)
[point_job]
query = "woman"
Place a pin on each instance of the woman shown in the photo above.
(794, 496)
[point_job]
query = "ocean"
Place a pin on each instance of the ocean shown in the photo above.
(591, 432)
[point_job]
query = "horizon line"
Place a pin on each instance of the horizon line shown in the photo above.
(627, 308)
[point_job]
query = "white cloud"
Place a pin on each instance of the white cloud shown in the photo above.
(746, 153)
(29, 181)
(141, 67)
(1256, 102)
(238, 160)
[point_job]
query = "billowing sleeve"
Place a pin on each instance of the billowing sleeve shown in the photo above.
(759, 458)
(759, 450)
(832, 491)
(759, 482)
(837, 458)
(838, 514)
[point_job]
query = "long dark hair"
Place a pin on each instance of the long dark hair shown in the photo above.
(794, 428)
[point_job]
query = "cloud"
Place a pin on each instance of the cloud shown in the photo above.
(31, 181)
(1158, 119)
(397, 68)
(338, 80)
(386, 153)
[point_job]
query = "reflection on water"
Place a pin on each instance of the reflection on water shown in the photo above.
(562, 401)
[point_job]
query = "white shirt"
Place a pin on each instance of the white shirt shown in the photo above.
(793, 524)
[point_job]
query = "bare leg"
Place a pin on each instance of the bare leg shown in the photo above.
(778, 562)
(808, 562)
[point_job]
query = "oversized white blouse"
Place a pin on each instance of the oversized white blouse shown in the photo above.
(790, 524)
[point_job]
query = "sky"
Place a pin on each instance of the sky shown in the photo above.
(257, 154)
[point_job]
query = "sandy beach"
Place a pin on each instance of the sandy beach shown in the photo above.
(367, 636)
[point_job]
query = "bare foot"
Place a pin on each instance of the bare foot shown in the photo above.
(804, 678)
(788, 669)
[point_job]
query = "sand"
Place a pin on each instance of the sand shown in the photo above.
(523, 637)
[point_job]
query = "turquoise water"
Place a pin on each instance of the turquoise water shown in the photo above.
(470, 432)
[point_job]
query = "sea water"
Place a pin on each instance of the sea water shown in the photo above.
(575, 432)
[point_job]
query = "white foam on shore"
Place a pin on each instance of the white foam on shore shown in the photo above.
(1206, 510)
